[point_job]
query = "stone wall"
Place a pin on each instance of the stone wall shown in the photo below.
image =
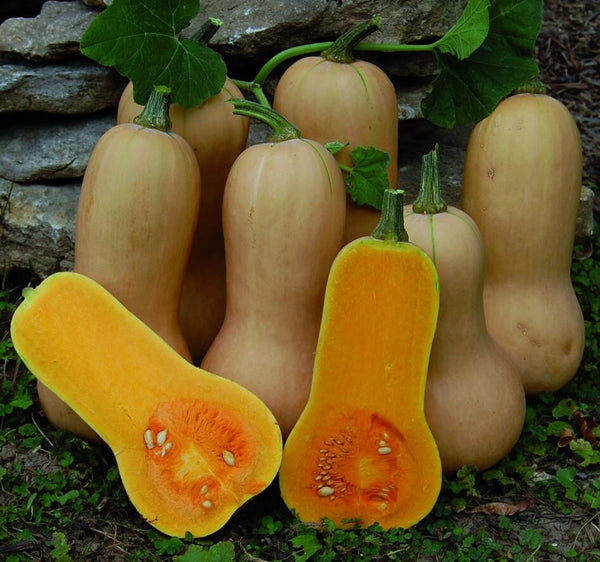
(55, 103)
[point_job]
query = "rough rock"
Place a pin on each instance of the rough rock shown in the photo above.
(52, 111)
(34, 149)
(253, 31)
(54, 34)
(37, 226)
(37, 221)
(77, 87)
(97, 3)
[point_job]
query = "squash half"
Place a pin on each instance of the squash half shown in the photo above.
(362, 451)
(191, 447)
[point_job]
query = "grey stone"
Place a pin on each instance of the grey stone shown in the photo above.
(37, 221)
(254, 31)
(54, 34)
(77, 87)
(37, 226)
(97, 3)
(33, 149)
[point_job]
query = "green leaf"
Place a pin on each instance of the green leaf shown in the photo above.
(468, 32)
(531, 538)
(139, 38)
(467, 91)
(309, 543)
(220, 552)
(335, 146)
(368, 179)
(566, 476)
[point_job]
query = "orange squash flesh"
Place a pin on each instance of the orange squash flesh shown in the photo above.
(191, 447)
(362, 449)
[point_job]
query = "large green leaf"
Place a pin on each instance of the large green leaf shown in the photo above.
(368, 179)
(469, 32)
(469, 90)
(140, 39)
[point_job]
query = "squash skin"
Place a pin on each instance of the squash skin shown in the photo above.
(347, 102)
(521, 185)
(283, 220)
(70, 329)
(217, 137)
(138, 183)
(474, 398)
(368, 388)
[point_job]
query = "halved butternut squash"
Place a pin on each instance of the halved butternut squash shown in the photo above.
(191, 447)
(361, 449)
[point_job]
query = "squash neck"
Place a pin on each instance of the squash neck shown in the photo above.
(391, 224)
(429, 200)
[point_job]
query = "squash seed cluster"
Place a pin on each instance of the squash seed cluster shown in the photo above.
(359, 459)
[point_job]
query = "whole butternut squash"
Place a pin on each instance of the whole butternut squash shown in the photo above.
(283, 222)
(362, 452)
(217, 136)
(191, 447)
(522, 185)
(136, 217)
(335, 97)
(474, 398)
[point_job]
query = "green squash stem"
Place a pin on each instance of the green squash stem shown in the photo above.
(282, 129)
(391, 224)
(342, 48)
(155, 114)
(207, 30)
(429, 200)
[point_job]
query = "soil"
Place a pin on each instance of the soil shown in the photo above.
(568, 53)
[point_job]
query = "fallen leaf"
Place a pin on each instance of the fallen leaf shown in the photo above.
(587, 425)
(502, 508)
(566, 436)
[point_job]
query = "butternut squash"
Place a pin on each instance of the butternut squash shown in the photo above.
(136, 217)
(474, 398)
(217, 136)
(521, 185)
(335, 97)
(362, 449)
(283, 223)
(191, 447)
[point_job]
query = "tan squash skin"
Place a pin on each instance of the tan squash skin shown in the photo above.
(217, 137)
(283, 220)
(521, 185)
(474, 399)
(138, 184)
(347, 102)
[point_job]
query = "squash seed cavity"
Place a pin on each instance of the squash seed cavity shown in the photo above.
(360, 458)
(192, 446)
